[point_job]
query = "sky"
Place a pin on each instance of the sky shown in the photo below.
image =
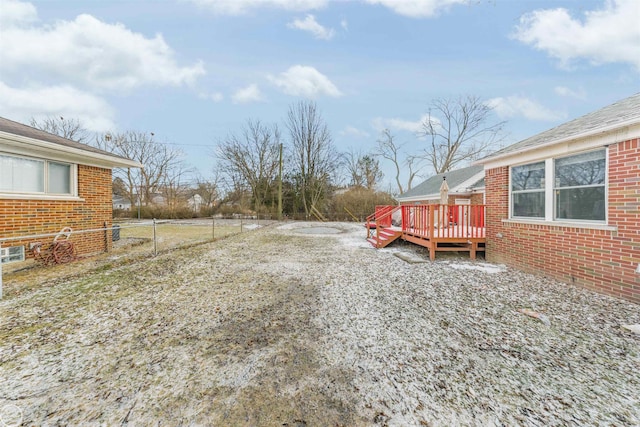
(194, 71)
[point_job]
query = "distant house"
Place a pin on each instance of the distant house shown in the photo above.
(195, 202)
(122, 203)
(158, 199)
(566, 202)
(466, 186)
(48, 182)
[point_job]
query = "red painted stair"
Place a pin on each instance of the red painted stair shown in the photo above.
(384, 237)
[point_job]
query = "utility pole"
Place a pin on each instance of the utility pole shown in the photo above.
(280, 187)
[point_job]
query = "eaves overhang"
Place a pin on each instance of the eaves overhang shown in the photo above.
(19, 144)
(593, 139)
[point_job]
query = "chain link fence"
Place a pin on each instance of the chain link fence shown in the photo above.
(130, 239)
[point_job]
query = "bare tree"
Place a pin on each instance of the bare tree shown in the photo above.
(208, 189)
(364, 169)
(314, 158)
(458, 130)
(390, 150)
(351, 159)
(160, 162)
(174, 187)
(254, 156)
(67, 128)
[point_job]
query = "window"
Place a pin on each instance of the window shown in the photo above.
(12, 254)
(579, 186)
(59, 178)
(26, 175)
(563, 189)
(18, 174)
(527, 190)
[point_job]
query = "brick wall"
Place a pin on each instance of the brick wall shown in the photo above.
(28, 217)
(600, 260)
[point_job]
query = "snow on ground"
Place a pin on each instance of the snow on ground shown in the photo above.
(282, 327)
(484, 267)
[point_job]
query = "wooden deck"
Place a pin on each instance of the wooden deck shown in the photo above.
(435, 227)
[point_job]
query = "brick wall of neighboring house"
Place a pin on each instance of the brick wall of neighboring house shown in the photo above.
(477, 199)
(601, 260)
(27, 217)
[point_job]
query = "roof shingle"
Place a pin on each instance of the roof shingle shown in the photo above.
(16, 128)
(621, 113)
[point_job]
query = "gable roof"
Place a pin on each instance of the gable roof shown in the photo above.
(623, 113)
(459, 181)
(22, 136)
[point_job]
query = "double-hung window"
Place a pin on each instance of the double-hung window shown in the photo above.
(570, 188)
(36, 176)
(527, 190)
(580, 186)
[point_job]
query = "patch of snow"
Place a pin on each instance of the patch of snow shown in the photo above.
(633, 328)
(485, 268)
(251, 226)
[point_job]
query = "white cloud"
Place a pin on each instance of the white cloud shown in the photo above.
(380, 123)
(609, 35)
(16, 13)
(22, 104)
(301, 80)
(89, 52)
(215, 96)
(238, 7)
(248, 94)
(569, 93)
(312, 26)
(417, 8)
(517, 106)
(354, 132)
(344, 24)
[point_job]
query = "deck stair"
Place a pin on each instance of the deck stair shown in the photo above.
(384, 237)
(380, 231)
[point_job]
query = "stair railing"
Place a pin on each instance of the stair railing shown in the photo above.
(383, 216)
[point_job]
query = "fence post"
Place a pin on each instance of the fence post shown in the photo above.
(213, 228)
(0, 270)
(241, 224)
(155, 241)
(106, 238)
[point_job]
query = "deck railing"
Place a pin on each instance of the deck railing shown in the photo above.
(444, 221)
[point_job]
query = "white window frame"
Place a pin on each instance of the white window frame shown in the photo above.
(536, 190)
(11, 254)
(73, 178)
(549, 193)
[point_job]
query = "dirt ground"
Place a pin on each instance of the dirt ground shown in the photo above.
(302, 324)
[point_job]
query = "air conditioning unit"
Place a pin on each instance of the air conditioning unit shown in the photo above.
(12, 254)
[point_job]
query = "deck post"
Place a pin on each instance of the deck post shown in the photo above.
(432, 250)
(431, 229)
(474, 248)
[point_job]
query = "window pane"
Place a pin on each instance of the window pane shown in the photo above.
(529, 204)
(527, 177)
(583, 169)
(18, 174)
(59, 178)
(581, 203)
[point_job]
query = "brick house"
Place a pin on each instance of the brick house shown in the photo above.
(47, 183)
(466, 186)
(566, 203)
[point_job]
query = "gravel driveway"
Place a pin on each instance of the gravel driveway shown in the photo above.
(302, 324)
